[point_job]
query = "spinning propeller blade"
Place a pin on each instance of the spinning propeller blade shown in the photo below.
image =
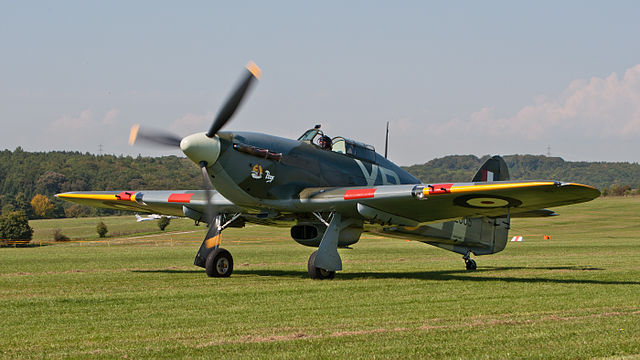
(155, 137)
(232, 103)
(211, 213)
(165, 138)
(212, 239)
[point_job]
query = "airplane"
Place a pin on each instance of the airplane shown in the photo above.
(329, 191)
(154, 217)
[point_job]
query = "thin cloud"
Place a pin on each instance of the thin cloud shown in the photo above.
(598, 107)
(72, 132)
(593, 119)
(68, 122)
(191, 123)
(84, 120)
(110, 118)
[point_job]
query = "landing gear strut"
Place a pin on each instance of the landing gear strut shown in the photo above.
(325, 261)
(217, 261)
(469, 263)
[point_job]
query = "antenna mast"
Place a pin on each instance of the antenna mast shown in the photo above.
(386, 142)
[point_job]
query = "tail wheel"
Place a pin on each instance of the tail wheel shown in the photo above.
(317, 273)
(471, 265)
(219, 263)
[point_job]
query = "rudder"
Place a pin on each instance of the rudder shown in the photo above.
(494, 169)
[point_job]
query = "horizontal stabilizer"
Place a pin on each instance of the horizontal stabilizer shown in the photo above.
(535, 213)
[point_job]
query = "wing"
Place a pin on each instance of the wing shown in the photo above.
(415, 204)
(163, 202)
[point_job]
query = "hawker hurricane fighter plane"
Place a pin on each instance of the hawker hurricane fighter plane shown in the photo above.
(329, 191)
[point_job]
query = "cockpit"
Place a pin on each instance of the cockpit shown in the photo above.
(339, 144)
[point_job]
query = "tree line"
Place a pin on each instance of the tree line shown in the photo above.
(29, 180)
(612, 178)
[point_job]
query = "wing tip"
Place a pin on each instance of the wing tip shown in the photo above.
(594, 192)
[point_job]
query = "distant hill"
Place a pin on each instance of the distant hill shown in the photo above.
(458, 168)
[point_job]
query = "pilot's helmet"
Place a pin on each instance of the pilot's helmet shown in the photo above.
(325, 142)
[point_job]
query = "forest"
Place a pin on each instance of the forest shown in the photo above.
(24, 175)
(28, 180)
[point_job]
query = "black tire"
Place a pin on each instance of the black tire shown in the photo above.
(471, 265)
(317, 273)
(219, 263)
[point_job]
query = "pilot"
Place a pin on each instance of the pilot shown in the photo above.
(325, 142)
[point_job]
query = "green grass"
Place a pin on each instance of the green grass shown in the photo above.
(575, 296)
(118, 226)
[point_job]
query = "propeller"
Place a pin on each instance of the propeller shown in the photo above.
(203, 149)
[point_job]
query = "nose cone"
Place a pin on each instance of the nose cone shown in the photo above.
(198, 147)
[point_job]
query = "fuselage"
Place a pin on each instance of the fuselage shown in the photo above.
(254, 169)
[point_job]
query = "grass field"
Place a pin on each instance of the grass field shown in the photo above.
(574, 296)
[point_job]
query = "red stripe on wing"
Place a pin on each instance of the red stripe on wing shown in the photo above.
(359, 194)
(439, 189)
(180, 198)
(125, 195)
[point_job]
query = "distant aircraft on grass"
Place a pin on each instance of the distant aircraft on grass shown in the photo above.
(329, 192)
(154, 217)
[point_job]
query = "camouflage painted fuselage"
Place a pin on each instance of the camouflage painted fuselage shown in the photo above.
(254, 181)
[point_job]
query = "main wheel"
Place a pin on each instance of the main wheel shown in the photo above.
(317, 273)
(471, 264)
(219, 263)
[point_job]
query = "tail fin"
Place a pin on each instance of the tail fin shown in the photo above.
(494, 169)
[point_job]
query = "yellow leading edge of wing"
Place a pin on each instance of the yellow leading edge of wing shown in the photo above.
(89, 196)
(486, 187)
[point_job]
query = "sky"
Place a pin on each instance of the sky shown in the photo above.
(454, 77)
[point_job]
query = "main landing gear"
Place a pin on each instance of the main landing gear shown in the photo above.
(325, 261)
(216, 261)
(322, 264)
(469, 263)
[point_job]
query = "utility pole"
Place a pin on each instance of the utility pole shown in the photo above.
(548, 150)
(100, 149)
